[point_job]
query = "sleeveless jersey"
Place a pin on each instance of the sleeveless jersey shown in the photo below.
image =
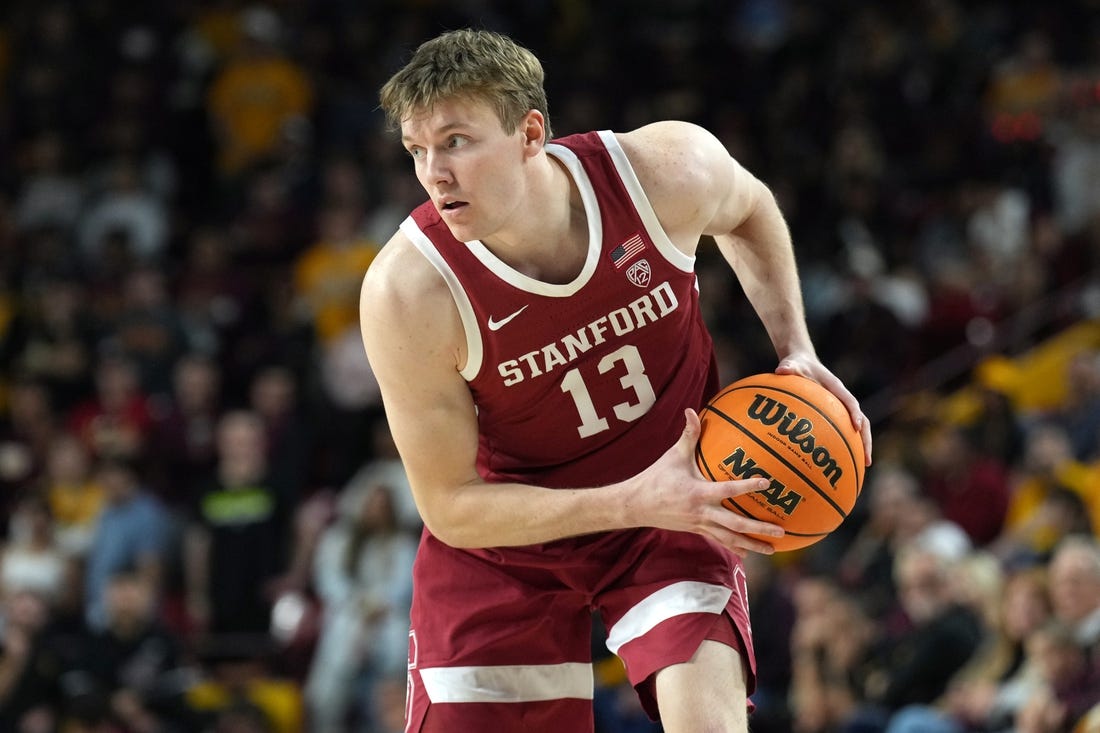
(582, 383)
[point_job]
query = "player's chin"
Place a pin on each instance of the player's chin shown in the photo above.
(462, 232)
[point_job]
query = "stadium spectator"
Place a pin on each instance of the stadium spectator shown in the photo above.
(132, 667)
(125, 212)
(239, 691)
(1075, 589)
(115, 419)
(27, 429)
(363, 575)
(51, 195)
(30, 660)
(914, 666)
(53, 336)
(327, 275)
(237, 539)
(256, 93)
(1080, 411)
(971, 489)
(828, 670)
(31, 560)
(74, 498)
(214, 298)
(131, 535)
(1048, 496)
(148, 330)
(1071, 684)
(865, 566)
(181, 446)
(985, 695)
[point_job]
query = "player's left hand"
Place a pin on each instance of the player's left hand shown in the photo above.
(809, 366)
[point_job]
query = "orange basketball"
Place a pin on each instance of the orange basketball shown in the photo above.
(796, 433)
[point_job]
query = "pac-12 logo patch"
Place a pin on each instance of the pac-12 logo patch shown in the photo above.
(639, 273)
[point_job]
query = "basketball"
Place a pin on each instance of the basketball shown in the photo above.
(797, 434)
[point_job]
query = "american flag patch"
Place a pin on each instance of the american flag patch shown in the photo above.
(626, 251)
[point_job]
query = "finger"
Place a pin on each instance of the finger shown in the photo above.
(738, 487)
(865, 432)
(862, 426)
(740, 524)
(739, 543)
(692, 425)
(692, 429)
(859, 421)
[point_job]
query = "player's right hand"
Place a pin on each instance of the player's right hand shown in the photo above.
(673, 494)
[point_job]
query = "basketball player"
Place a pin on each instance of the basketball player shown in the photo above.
(535, 331)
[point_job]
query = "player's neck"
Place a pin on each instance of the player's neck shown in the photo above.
(549, 239)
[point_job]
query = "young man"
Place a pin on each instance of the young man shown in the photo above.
(535, 331)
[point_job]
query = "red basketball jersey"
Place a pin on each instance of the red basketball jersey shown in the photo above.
(582, 383)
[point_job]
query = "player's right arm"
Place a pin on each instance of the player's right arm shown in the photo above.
(415, 342)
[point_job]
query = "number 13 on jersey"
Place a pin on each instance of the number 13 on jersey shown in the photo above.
(627, 362)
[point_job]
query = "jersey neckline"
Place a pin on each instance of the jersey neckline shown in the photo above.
(529, 284)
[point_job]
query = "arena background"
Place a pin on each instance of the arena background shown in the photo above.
(191, 445)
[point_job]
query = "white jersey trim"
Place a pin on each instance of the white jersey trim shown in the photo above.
(509, 683)
(595, 238)
(689, 596)
(474, 350)
(653, 227)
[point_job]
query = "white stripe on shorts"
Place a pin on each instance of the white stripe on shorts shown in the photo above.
(689, 596)
(508, 683)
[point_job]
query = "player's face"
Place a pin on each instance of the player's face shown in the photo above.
(471, 168)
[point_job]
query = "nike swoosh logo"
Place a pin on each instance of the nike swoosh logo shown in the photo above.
(497, 325)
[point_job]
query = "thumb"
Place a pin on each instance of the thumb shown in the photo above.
(693, 427)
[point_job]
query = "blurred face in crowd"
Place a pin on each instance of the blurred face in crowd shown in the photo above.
(378, 512)
(28, 403)
(117, 480)
(1075, 582)
(242, 441)
(196, 383)
(31, 522)
(1048, 448)
(26, 610)
(891, 496)
(1055, 654)
(129, 602)
(274, 392)
(1026, 605)
(116, 382)
(68, 460)
(922, 586)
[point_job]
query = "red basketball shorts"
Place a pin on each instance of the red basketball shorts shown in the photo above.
(501, 638)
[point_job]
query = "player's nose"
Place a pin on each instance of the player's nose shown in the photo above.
(436, 169)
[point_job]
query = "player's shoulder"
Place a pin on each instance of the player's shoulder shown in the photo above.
(680, 166)
(670, 144)
(668, 132)
(673, 155)
(401, 280)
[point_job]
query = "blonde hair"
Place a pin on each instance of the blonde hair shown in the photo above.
(478, 64)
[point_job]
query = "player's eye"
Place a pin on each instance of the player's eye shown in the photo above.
(456, 141)
(415, 153)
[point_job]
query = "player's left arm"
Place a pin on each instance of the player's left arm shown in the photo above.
(697, 188)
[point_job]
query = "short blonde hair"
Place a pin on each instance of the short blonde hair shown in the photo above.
(479, 64)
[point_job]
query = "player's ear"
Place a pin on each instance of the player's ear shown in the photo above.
(533, 127)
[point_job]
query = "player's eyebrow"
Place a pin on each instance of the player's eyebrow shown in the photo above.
(439, 131)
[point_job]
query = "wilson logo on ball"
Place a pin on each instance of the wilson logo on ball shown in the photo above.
(798, 430)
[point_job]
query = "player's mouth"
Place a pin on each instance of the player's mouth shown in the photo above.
(452, 206)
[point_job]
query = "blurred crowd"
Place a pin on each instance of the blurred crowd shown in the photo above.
(203, 522)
